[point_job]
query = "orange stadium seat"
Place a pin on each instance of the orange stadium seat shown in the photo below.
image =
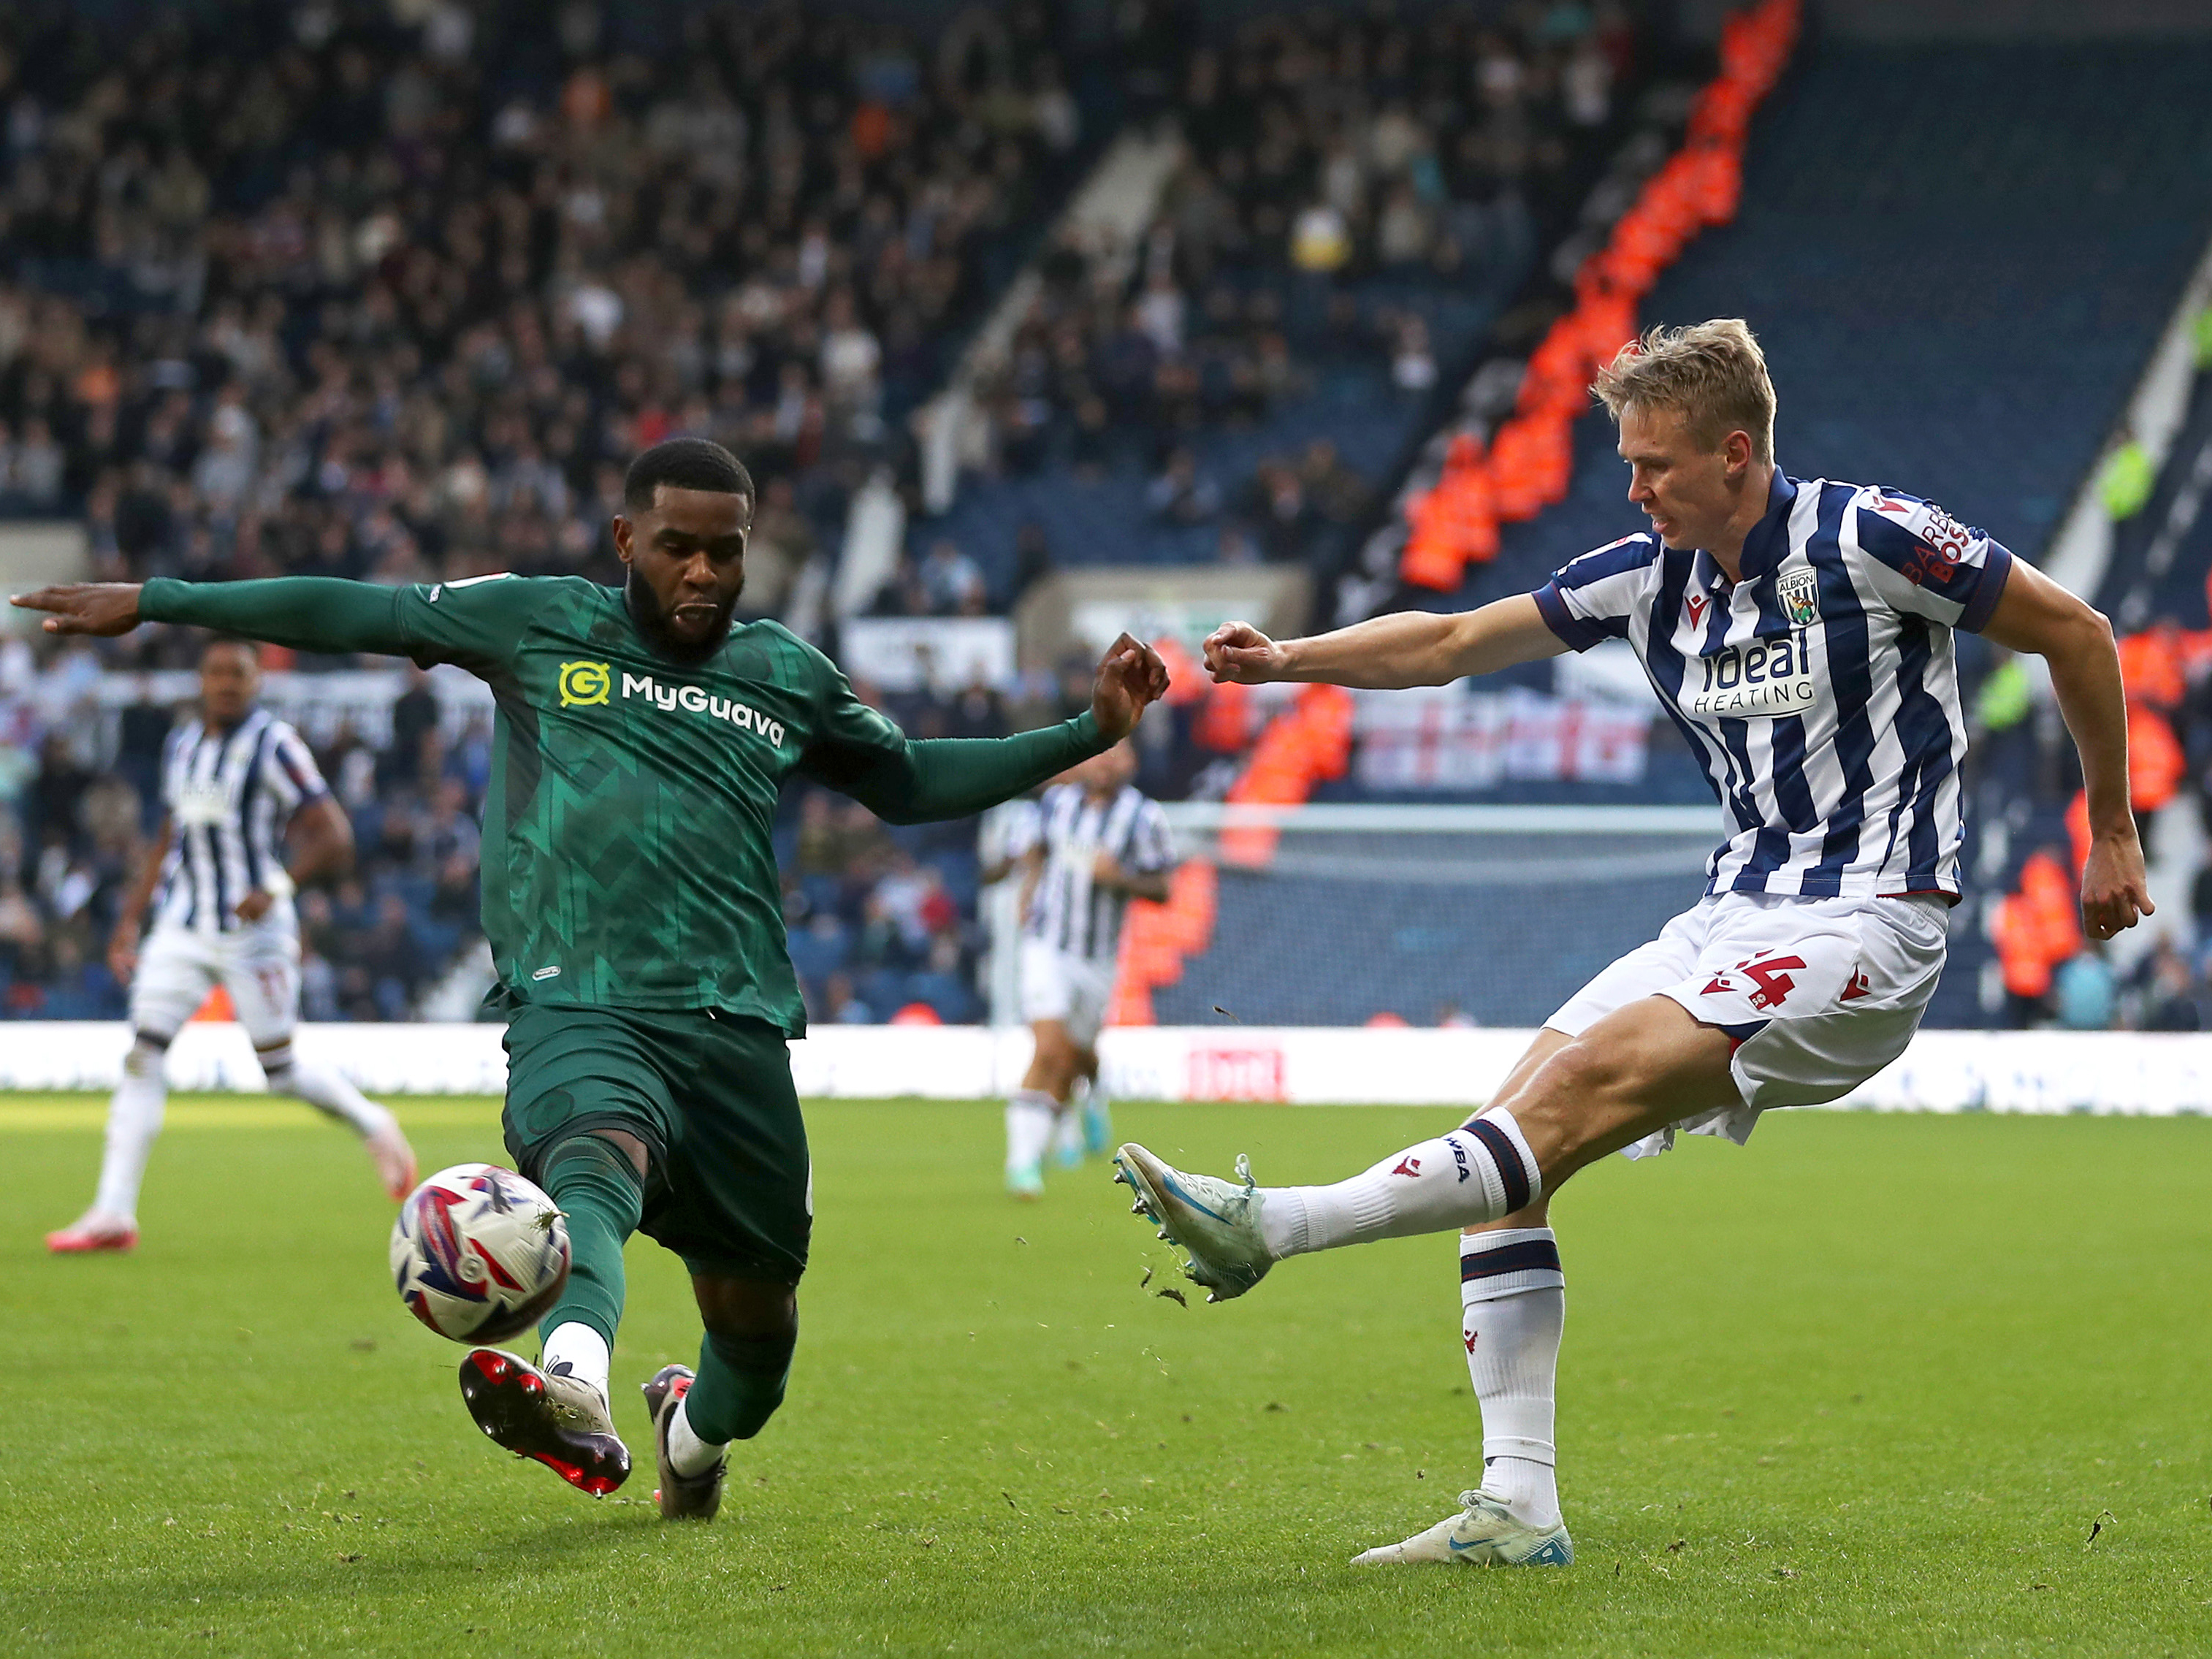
(2156, 765)
(1455, 524)
(2151, 669)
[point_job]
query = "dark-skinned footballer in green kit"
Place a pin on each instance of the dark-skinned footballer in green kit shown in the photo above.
(631, 899)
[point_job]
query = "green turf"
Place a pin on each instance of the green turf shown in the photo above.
(1865, 1387)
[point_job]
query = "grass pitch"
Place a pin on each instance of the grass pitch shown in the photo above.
(1869, 1385)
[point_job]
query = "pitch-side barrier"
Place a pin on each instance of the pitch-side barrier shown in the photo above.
(2115, 1071)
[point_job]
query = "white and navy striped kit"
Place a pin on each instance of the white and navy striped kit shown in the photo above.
(229, 795)
(1820, 691)
(1069, 911)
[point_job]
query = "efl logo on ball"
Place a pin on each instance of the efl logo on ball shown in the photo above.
(479, 1253)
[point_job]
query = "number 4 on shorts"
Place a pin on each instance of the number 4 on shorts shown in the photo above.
(1768, 972)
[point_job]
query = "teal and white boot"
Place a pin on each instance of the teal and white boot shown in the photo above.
(1217, 1221)
(1484, 1533)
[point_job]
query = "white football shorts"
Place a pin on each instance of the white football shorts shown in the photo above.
(1074, 990)
(1818, 994)
(178, 966)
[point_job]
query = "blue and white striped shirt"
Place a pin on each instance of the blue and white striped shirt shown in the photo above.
(229, 796)
(1819, 692)
(1067, 909)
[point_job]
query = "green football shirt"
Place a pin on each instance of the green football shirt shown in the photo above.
(628, 857)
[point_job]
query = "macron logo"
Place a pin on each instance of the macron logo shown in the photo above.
(695, 700)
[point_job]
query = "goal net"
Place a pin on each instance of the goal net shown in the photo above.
(1332, 914)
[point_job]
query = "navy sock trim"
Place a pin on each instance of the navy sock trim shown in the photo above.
(1507, 1157)
(1528, 1255)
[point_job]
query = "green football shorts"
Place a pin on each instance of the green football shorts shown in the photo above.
(729, 1187)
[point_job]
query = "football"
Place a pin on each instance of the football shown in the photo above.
(479, 1253)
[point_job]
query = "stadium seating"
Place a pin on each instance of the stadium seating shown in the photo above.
(1954, 299)
(1958, 260)
(1455, 523)
(1342, 232)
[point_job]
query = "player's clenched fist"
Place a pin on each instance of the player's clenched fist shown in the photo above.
(2115, 890)
(1131, 675)
(1238, 653)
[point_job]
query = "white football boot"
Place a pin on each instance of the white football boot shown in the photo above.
(1484, 1533)
(1217, 1221)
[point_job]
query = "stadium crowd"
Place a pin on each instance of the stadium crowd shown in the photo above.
(1342, 177)
(881, 918)
(307, 289)
(394, 294)
(304, 293)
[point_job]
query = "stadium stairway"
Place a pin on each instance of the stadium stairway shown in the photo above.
(1351, 401)
(1349, 397)
(2162, 554)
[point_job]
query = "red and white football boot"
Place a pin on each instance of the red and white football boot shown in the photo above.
(93, 1232)
(558, 1419)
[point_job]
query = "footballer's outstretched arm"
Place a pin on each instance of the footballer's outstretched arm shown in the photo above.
(1388, 653)
(2036, 614)
(307, 613)
(907, 781)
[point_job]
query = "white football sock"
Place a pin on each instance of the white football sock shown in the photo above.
(134, 1119)
(323, 1089)
(1067, 1134)
(1029, 1116)
(1481, 1172)
(686, 1450)
(1513, 1308)
(582, 1350)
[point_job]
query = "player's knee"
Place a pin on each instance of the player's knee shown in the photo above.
(640, 1156)
(746, 1309)
(606, 1161)
(145, 1054)
(275, 1064)
(1566, 1103)
(1578, 1071)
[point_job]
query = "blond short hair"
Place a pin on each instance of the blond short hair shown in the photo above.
(1714, 372)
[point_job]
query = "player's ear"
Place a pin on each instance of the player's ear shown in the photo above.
(623, 532)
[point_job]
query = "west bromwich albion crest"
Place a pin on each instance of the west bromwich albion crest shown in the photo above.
(1799, 592)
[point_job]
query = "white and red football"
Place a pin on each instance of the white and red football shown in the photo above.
(478, 1253)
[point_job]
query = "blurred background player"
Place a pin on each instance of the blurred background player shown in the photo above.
(234, 781)
(1099, 843)
(1004, 835)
